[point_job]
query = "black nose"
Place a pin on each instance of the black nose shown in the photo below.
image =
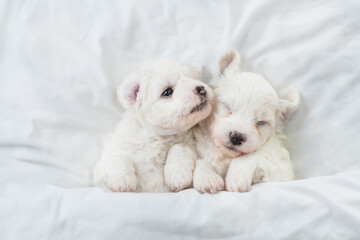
(237, 138)
(200, 90)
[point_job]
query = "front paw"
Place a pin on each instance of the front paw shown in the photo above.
(237, 183)
(122, 183)
(177, 179)
(208, 183)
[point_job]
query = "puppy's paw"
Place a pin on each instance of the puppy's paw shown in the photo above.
(209, 183)
(122, 183)
(237, 183)
(178, 179)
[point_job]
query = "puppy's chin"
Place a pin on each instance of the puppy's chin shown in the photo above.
(198, 113)
(227, 151)
(203, 112)
(231, 153)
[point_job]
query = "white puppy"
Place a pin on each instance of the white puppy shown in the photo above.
(162, 104)
(242, 140)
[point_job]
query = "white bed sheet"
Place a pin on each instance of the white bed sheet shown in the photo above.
(60, 62)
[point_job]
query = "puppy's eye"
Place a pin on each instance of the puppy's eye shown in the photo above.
(261, 123)
(168, 92)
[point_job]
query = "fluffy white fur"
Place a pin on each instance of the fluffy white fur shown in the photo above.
(155, 130)
(241, 143)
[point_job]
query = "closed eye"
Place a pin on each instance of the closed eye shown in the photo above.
(226, 107)
(261, 123)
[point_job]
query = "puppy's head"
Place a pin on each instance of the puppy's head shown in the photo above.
(248, 109)
(171, 96)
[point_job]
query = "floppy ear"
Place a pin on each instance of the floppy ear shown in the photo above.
(127, 92)
(289, 105)
(230, 60)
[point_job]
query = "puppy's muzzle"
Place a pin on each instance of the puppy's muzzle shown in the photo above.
(201, 92)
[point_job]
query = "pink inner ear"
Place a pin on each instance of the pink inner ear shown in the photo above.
(285, 117)
(133, 94)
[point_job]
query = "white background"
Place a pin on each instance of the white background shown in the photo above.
(60, 62)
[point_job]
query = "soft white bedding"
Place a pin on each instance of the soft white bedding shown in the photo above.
(60, 62)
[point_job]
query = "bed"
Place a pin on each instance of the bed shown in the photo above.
(60, 63)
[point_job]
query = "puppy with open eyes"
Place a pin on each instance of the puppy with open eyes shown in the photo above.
(241, 142)
(162, 104)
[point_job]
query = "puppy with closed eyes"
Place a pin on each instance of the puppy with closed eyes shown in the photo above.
(241, 142)
(162, 104)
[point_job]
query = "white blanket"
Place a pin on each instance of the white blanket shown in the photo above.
(60, 62)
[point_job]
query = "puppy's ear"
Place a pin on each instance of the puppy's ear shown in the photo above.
(230, 60)
(127, 92)
(289, 105)
(196, 71)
